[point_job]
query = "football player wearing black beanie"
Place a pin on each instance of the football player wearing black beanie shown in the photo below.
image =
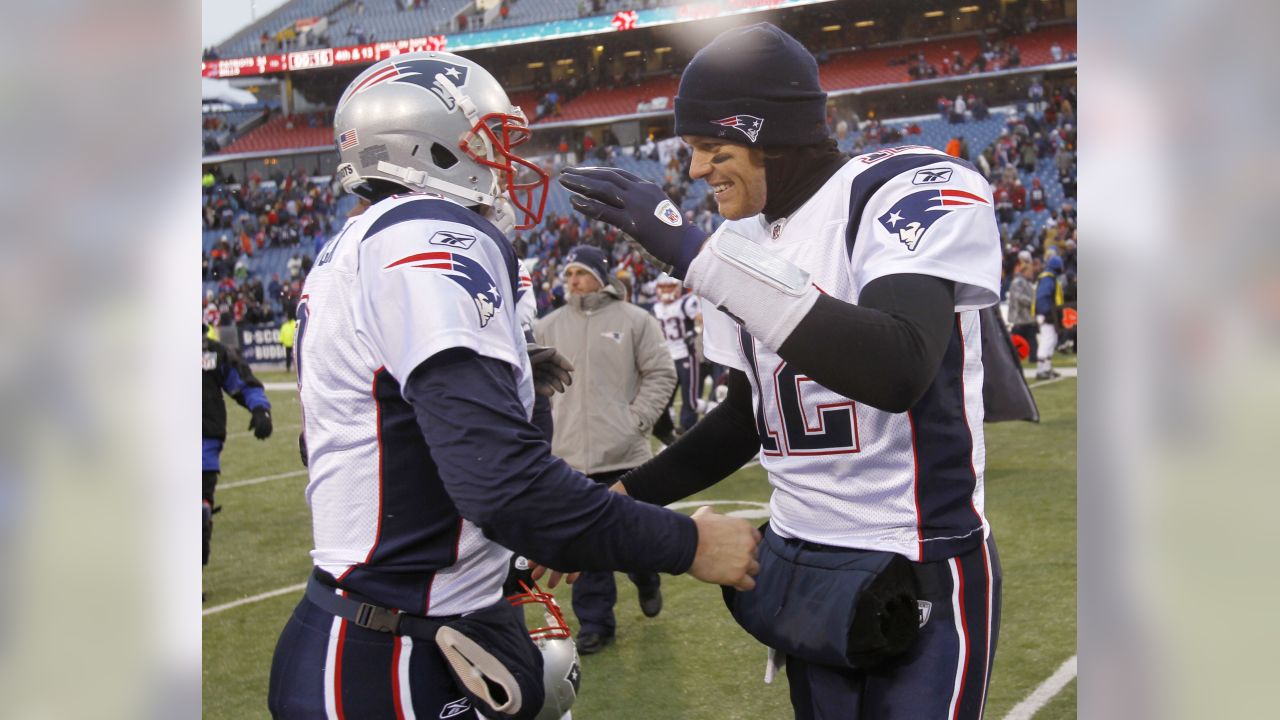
(844, 293)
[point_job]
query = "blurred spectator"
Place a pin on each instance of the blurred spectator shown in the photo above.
(1036, 197)
(1035, 95)
(1021, 298)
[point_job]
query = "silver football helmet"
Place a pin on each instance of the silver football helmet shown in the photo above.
(437, 122)
(561, 674)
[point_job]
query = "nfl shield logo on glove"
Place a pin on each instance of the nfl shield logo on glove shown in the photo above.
(667, 213)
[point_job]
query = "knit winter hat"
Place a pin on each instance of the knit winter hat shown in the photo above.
(754, 85)
(592, 259)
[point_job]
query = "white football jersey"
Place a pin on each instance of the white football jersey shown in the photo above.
(676, 318)
(844, 473)
(411, 276)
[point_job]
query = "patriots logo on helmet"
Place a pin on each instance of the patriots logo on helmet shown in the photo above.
(748, 125)
(423, 74)
(468, 273)
(913, 215)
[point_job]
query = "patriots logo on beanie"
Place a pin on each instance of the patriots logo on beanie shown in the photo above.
(748, 75)
(748, 125)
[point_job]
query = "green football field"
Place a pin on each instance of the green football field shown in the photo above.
(692, 661)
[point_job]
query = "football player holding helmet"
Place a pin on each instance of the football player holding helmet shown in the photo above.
(561, 674)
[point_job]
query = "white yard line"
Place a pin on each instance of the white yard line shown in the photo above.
(1041, 696)
(255, 481)
(253, 599)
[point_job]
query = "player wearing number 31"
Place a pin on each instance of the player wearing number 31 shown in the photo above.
(848, 292)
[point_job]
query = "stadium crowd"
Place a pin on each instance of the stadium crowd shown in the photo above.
(1031, 167)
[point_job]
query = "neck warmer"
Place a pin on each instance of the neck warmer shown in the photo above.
(792, 175)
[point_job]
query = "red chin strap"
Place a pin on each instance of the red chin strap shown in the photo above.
(504, 133)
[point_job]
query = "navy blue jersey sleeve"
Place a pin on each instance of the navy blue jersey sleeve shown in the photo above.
(239, 382)
(884, 351)
(717, 445)
(500, 473)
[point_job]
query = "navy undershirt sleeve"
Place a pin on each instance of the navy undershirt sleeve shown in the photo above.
(501, 475)
(720, 443)
(884, 351)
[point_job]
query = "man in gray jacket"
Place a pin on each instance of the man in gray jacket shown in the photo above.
(623, 375)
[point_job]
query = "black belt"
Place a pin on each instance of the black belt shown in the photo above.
(370, 616)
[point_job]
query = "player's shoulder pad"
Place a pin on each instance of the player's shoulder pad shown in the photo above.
(881, 167)
(416, 207)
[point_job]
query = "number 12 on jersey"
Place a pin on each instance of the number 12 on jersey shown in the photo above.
(795, 415)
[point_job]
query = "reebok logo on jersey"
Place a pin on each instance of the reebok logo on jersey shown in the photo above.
(464, 271)
(912, 216)
(931, 176)
(462, 241)
(667, 213)
(748, 125)
(455, 708)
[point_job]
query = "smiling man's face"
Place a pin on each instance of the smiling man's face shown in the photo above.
(735, 173)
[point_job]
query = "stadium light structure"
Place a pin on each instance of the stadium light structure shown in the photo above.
(864, 23)
(830, 28)
(934, 13)
(970, 9)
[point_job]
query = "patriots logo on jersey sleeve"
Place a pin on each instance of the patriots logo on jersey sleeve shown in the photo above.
(423, 74)
(748, 125)
(468, 273)
(912, 216)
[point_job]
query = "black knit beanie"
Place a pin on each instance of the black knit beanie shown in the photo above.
(756, 86)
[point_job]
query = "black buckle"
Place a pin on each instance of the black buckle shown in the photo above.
(379, 619)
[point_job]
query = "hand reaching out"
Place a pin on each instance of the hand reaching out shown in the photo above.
(726, 550)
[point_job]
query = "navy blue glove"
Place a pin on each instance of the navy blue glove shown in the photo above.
(638, 208)
(260, 423)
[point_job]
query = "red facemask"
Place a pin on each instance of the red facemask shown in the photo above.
(504, 133)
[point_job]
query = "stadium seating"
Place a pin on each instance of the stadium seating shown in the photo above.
(888, 65)
(276, 134)
(610, 102)
(868, 68)
(246, 42)
(543, 11)
(386, 20)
